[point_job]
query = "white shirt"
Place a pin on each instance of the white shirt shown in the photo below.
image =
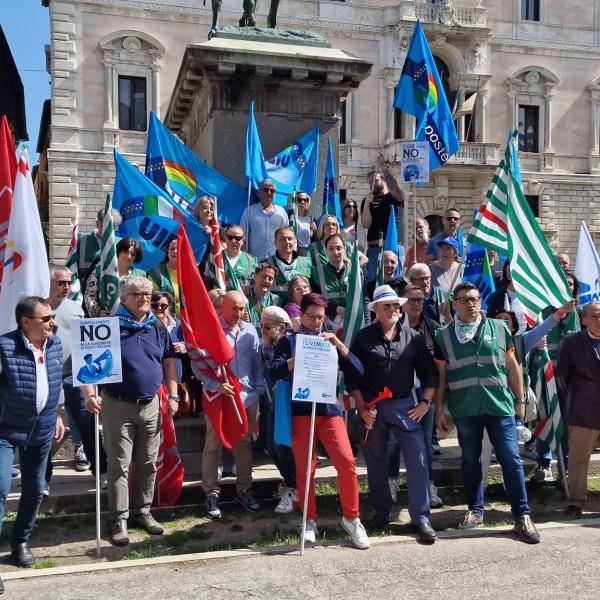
(41, 383)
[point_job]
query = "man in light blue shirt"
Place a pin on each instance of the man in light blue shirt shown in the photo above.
(451, 229)
(260, 222)
(247, 367)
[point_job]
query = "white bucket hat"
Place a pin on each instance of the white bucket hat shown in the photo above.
(384, 293)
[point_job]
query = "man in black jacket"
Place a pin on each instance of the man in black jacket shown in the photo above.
(578, 376)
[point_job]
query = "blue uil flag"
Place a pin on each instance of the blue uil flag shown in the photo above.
(420, 93)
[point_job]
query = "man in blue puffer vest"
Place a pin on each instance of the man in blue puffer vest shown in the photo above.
(30, 385)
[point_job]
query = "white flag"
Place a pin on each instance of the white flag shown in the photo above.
(25, 262)
(587, 268)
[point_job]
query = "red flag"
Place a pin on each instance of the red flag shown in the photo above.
(169, 468)
(216, 254)
(208, 348)
(8, 174)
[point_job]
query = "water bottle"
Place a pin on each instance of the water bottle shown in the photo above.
(523, 434)
(373, 413)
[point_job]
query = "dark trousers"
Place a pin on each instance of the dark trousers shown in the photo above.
(33, 467)
(393, 420)
(75, 404)
(282, 456)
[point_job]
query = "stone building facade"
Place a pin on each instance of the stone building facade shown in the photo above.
(533, 64)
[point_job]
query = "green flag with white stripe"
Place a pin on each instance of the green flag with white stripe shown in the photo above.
(355, 307)
(109, 270)
(505, 223)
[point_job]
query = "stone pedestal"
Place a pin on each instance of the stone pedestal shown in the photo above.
(294, 87)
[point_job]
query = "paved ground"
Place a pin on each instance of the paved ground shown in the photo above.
(564, 565)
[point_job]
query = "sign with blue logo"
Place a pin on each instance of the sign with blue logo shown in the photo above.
(96, 351)
(315, 370)
(414, 162)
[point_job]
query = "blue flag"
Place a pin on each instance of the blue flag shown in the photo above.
(186, 177)
(391, 242)
(479, 272)
(255, 169)
(331, 195)
(295, 167)
(420, 93)
(150, 215)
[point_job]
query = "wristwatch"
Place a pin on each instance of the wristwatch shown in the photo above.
(428, 402)
(176, 398)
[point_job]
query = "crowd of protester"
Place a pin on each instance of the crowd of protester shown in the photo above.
(426, 342)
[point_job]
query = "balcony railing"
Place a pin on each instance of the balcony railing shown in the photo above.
(444, 14)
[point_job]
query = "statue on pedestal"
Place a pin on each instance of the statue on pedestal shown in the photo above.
(247, 19)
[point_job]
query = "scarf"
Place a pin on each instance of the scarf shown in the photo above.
(465, 332)
(287, 270)
(127, 321)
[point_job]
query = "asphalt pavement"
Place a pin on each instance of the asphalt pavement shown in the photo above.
(564, 565)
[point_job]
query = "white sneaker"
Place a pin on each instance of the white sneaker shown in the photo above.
(357, 533)
(393, 483)
(286, 502)
(311, 531)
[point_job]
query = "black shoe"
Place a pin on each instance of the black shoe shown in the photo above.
(378, 521)
(572, 511)
(425, 533)
(248, 500)
(22, 555)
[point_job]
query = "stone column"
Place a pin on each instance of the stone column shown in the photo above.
(354, 130)
(548, 121)
(461, 118)
(389, 113)
(594, 124)
(156, 67)
(108, 92)
(513, 112)
(480, 114)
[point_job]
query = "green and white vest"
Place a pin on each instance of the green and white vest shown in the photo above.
(333, 288)
(301, 265)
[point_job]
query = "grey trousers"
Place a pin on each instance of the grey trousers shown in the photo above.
(242, 453)
(131, 437)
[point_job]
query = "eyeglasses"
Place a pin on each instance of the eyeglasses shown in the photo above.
(452, 218)
(415, 300)
(395, 306)
(420, 278)
(464, 300)
(45, 319)
(63, 282)
(269, 326)
(313, 317)
(159, 306)
(268, 190)
(235, 238)
(304, 200)
(140, 295)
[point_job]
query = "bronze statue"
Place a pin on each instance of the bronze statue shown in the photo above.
(247, 20)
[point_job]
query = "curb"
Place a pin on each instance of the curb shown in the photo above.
(288, 549)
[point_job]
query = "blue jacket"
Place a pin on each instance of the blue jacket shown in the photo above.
(20, 422)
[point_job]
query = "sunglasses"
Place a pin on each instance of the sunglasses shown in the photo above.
(350, 206)
(45, 319)
(304, 200)
(268, 190)
(464, 300)
(235, 238)
(159, 306)
(394, 306)
(416, 300)
(269, 326)
(452, 218)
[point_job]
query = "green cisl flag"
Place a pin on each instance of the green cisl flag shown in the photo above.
(109, 270)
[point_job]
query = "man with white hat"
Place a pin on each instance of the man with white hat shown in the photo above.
(392, 353)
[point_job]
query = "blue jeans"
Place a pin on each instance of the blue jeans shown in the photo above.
(33, 468)
(392, 418)
(503, 436)
(393, 461)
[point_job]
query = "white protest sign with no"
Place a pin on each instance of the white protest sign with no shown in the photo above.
(96, 351)
(414, 163)
(315, 370)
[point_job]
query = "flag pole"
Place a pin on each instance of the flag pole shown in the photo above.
(235, 406)
(414, 191)
(97, 461)
(308, 469)
(563, 470)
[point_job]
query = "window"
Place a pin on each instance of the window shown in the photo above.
(530, 10)
(397, 124)
(132, 103)
(444, 73)
(534, 204)
(528, 128)
(343, 134)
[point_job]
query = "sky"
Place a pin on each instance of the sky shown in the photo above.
(26, 25)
